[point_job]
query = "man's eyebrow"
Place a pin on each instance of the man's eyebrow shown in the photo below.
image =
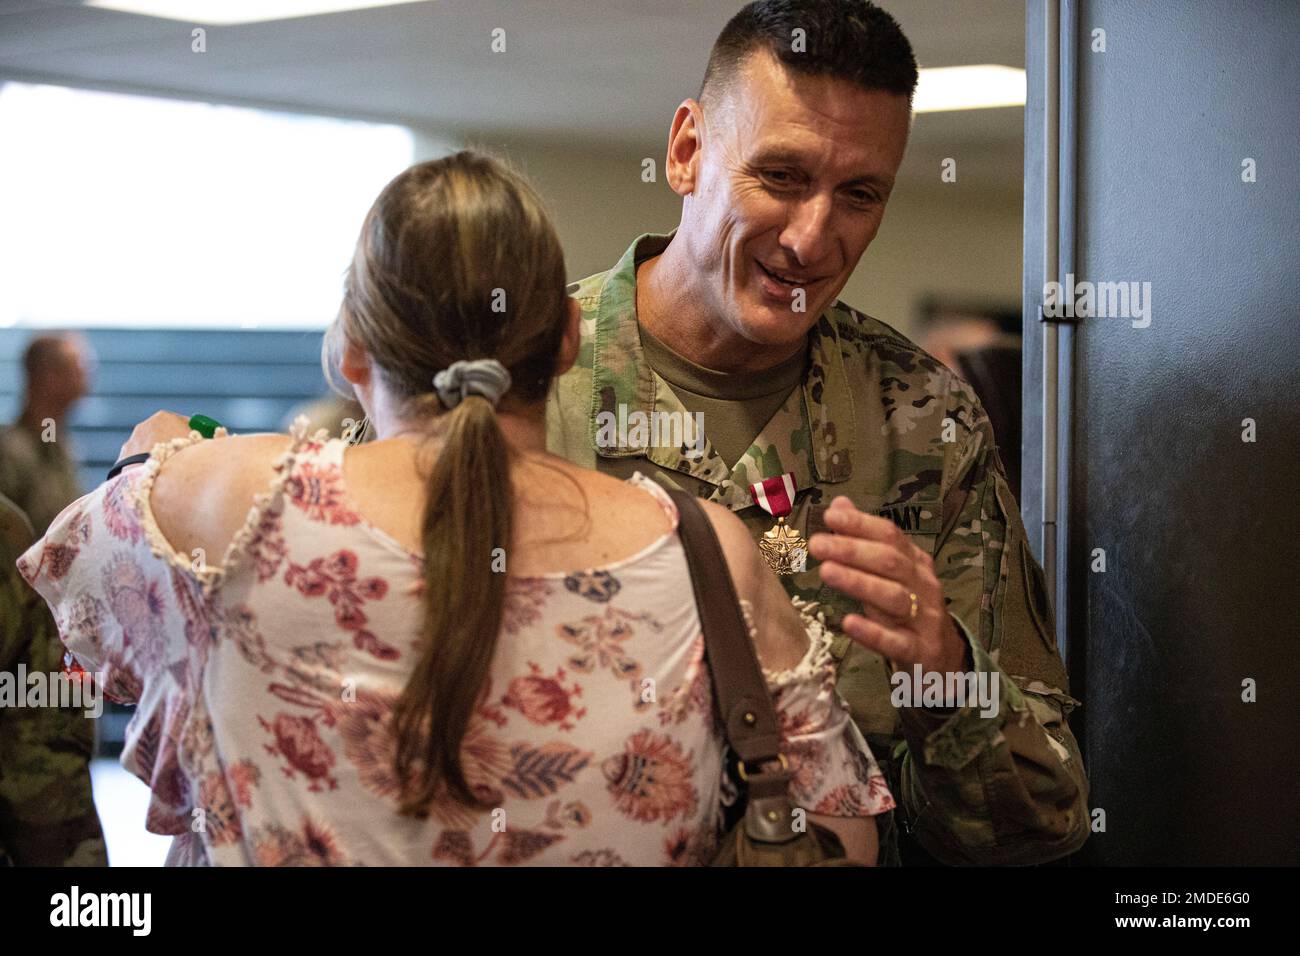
(787, 157)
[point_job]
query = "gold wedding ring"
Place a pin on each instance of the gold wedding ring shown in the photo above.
(915, 606)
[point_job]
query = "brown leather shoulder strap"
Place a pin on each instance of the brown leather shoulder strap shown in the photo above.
(743, 698)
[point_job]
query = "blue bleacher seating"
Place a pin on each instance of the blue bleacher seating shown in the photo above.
(247, 379)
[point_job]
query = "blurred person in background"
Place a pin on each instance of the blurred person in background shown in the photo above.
(945, 333)
(978, 346)
(38, 466)
(47, 814)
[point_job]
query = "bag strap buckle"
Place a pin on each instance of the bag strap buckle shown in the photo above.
(744, 774)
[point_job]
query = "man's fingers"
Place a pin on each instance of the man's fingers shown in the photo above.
(924, 576)
(889, 597)
(843, 518)
(847, 522)
(872, 556)
(896, 646)
(923, 557)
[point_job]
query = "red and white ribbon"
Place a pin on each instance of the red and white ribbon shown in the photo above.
(775, 495)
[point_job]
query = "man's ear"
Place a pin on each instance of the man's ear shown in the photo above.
(572, 339)
(354, 364)
(684, 147)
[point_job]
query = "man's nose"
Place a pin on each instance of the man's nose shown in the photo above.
(807, 230)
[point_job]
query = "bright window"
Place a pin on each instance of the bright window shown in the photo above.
(123, 210)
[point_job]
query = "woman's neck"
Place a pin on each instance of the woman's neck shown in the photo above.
(524, 430)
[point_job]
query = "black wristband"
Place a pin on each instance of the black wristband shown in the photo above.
(128, 460)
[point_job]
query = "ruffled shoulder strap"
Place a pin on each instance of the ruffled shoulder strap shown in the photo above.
(210, 576)
(651, 487)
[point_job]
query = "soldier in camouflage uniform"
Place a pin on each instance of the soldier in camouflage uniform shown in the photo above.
(880, 421)
(47, 816)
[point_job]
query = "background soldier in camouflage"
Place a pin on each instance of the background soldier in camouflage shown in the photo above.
(38, 470)
(47, 816)
(785, 166)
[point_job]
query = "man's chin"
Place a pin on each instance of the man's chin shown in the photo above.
(774, 327)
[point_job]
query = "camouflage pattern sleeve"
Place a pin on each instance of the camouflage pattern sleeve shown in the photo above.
(1010, 788)
(47, 815)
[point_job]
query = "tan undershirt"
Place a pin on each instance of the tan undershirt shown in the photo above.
(735, 405)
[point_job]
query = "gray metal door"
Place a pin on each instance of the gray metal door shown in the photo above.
(1161, 439)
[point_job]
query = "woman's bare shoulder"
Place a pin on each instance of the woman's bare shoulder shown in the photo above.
(238, 460)
(203, 491)
(742, 555)
(780, 640)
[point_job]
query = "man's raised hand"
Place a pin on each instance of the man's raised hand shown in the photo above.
(869, 559)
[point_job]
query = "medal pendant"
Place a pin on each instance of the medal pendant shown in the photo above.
(784, 549)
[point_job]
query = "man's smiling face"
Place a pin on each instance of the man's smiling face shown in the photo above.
(792, 176)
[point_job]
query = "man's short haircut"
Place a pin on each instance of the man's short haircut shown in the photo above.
(851, 40)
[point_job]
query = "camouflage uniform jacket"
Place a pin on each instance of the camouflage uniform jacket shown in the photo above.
(881, 421)
(47, 816)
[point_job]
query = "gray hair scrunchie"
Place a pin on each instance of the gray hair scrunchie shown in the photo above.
(486, 377)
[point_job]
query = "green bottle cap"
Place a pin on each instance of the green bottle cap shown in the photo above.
(205, 426)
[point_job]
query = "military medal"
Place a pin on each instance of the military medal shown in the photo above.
(783, 548)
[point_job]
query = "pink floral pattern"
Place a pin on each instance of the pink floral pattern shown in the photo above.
(119, 516)
(267, 548)
(265, 689)
(335, 577)
(545, 700)
(299, 743)
(318, 490)
(525, 598)
(695, 695)
(601, 641)
(652, 778)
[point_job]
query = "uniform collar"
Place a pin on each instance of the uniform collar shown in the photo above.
(622, 378)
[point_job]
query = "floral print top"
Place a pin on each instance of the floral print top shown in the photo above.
(264, 686)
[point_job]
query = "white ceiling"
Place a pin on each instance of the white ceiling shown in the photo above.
(594, 70)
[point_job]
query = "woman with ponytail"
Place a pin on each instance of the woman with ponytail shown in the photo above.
(443, 646)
